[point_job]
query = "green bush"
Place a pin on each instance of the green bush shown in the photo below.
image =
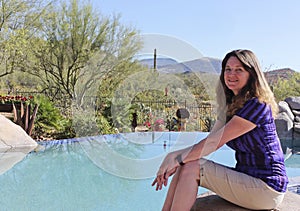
(87, 123)
(104, 126)
(49, 122)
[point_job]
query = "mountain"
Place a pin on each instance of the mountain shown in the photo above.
(208, 65)
(204, 65)
(274, 75)
(160, 62)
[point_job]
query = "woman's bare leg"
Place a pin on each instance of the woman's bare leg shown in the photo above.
(172, 188)
(186, 188)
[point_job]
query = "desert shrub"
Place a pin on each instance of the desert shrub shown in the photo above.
(49, 122)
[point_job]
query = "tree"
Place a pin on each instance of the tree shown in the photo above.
(287, 87)
(77, 48)
(17, 19)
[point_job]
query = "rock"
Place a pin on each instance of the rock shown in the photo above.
(15, 144)
(297, 127)
(285, 108)
(296, 134)
(288, 123)
(211, 202)
(294, 102)
(284, 126)
(141, 128)
(12, 135)
(296, 112)
(10, 157)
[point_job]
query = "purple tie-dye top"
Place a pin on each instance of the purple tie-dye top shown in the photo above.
(258, 152)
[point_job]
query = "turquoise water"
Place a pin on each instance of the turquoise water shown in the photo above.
(86, 173)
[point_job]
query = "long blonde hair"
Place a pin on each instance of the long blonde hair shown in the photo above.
(256, 86)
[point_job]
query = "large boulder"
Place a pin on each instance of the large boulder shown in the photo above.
(10, 157)
(288, 122)
(285, 108)
(284, 126)
(297, 127)
(296, 134)
(296, 113)
(294, 102)
(13, 136)
(15, 144)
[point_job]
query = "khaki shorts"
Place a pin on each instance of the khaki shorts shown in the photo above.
(238, 188)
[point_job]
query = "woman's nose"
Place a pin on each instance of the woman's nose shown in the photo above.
(232, 72)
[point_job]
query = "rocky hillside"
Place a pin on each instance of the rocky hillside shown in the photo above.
(208, 65)
(274, 75)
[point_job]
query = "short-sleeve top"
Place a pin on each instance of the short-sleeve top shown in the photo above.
(258, 152)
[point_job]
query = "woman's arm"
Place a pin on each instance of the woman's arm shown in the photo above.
(219, 136)
(236, 127)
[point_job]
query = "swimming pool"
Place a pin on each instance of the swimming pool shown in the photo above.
(109, 172)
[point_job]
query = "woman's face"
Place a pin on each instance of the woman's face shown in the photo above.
(235, 75)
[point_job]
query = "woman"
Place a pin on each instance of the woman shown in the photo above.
(259, 179)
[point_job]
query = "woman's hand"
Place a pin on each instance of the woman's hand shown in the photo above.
(166, 169)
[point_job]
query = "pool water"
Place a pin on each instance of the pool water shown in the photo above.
(87, 173)
(63, 178)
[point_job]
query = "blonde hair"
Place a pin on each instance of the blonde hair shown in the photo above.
(257, 86)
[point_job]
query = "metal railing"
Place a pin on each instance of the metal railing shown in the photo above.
(202, 115)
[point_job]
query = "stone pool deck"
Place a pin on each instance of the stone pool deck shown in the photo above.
(209, 201)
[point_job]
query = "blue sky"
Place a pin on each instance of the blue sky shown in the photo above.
(270, 28)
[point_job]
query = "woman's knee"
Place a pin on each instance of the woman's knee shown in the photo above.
(191, 169)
